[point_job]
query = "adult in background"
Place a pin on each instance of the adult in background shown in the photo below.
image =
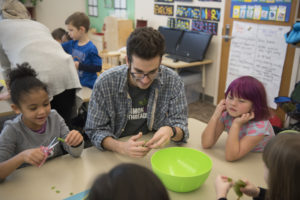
(24, 40)
(140, 97)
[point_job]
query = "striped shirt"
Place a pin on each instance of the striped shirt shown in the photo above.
(110, 104)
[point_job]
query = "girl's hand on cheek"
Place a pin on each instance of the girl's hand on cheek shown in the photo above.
(244, 118)
(220, 108)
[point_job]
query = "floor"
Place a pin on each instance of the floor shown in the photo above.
(201, 110)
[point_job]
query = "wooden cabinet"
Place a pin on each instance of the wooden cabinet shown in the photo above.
(97, 39)
(116, 32)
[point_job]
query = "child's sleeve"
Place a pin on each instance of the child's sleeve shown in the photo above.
(95, 62)
(67, 46)
(64, 131)
(8, 143)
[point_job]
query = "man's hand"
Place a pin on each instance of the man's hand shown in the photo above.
(33, 156)
(160, 138)
(134, 148)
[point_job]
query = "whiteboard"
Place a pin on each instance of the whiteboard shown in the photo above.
(259, 51)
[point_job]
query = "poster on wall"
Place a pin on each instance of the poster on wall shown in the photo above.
(162, 9)
(165, 1)
(205, 26)
(188, 12)
(183, 24)
(178, 23)
(212, 14)
(270, 10)
(258, 50)
(171, 22)
(185, 0)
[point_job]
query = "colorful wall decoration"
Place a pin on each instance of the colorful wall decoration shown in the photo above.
(165, 1)
(183, 24)
(211, 0)
(171, 22)
(188, 12)
(162, 9)
(194, 18)
(179, 23)
(205, 26)
(210, 14)
(272, 10)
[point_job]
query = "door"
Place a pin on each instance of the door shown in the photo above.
(288, 63)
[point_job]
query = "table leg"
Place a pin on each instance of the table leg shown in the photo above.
(203, 82)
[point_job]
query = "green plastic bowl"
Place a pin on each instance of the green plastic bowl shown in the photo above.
(181, 169)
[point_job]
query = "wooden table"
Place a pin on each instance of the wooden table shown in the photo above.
(75, 175)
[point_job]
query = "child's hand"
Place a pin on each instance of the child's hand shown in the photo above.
(33, 156)
(250, 189)
(219, 109)
(74, 138)
(222, 186)
(76, 64)
(244, 118)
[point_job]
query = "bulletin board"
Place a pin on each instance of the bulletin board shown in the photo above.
(268, 10)
(258, 50)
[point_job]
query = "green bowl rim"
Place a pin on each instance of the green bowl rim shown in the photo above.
(152, 165)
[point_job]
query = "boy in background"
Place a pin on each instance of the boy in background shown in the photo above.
(60, 35)
(83, 51)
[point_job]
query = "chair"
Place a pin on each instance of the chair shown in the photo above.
(109, 59)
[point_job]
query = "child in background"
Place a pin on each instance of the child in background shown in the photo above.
(244, 115)
(128, 182)
(83, 51)
(60, 35)
(35, 126)
(35, 45)
(282, 175)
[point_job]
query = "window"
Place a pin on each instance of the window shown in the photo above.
(120, 4)
(93, 8)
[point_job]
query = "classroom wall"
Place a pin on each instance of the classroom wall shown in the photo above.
(97, 22)
(53, 13)
(144, 9)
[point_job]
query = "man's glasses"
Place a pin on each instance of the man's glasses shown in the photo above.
(140, 75)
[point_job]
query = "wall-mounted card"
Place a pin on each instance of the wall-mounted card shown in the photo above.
(243, 11)
(257, 12)
(264, 13)
(281, 13)
(272, 12)
(236, 11)
(250, 12)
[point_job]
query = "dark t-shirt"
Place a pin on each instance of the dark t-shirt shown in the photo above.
(137, 118)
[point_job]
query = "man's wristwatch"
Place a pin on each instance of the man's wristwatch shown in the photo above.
(174, 132)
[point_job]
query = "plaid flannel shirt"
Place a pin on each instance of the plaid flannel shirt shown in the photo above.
(110, 104)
